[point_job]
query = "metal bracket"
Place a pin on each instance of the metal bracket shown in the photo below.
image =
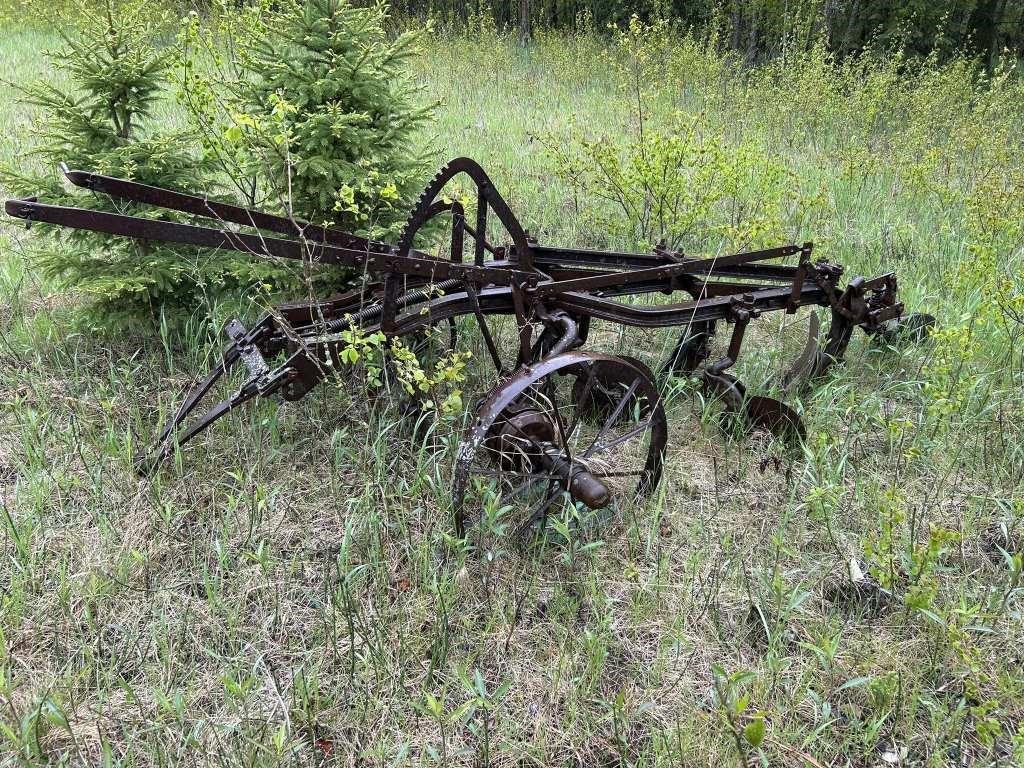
(799, 278)
(249, 354)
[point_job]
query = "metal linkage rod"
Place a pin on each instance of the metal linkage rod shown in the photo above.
(257, 245)
(211, 209)
(663, 272)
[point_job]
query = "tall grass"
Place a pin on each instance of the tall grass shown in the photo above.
(289, 592)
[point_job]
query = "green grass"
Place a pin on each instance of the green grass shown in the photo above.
(288, 593)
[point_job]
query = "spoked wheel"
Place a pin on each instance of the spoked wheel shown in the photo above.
(574, 434)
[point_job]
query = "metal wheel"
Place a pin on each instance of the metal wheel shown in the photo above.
(575, 433)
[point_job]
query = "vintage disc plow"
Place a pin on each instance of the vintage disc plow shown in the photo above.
(560, 424)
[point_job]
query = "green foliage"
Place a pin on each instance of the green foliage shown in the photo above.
(683, 187)
(732, 706)
(674, 181)
(317, 122)
(758, 30)
(312, 113)
(327, 106)
(435, 381)
(107, 121)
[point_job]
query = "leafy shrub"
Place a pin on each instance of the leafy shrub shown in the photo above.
(683, 187)
(675, 181)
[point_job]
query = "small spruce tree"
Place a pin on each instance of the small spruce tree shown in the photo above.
(330, 113)
(104, 121)
(310, 111)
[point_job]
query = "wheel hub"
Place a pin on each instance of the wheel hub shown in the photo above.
(524, 441)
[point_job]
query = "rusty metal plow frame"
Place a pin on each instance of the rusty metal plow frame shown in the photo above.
(558, 290)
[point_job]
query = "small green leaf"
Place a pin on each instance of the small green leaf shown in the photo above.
(741, 704)
(855, 682)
